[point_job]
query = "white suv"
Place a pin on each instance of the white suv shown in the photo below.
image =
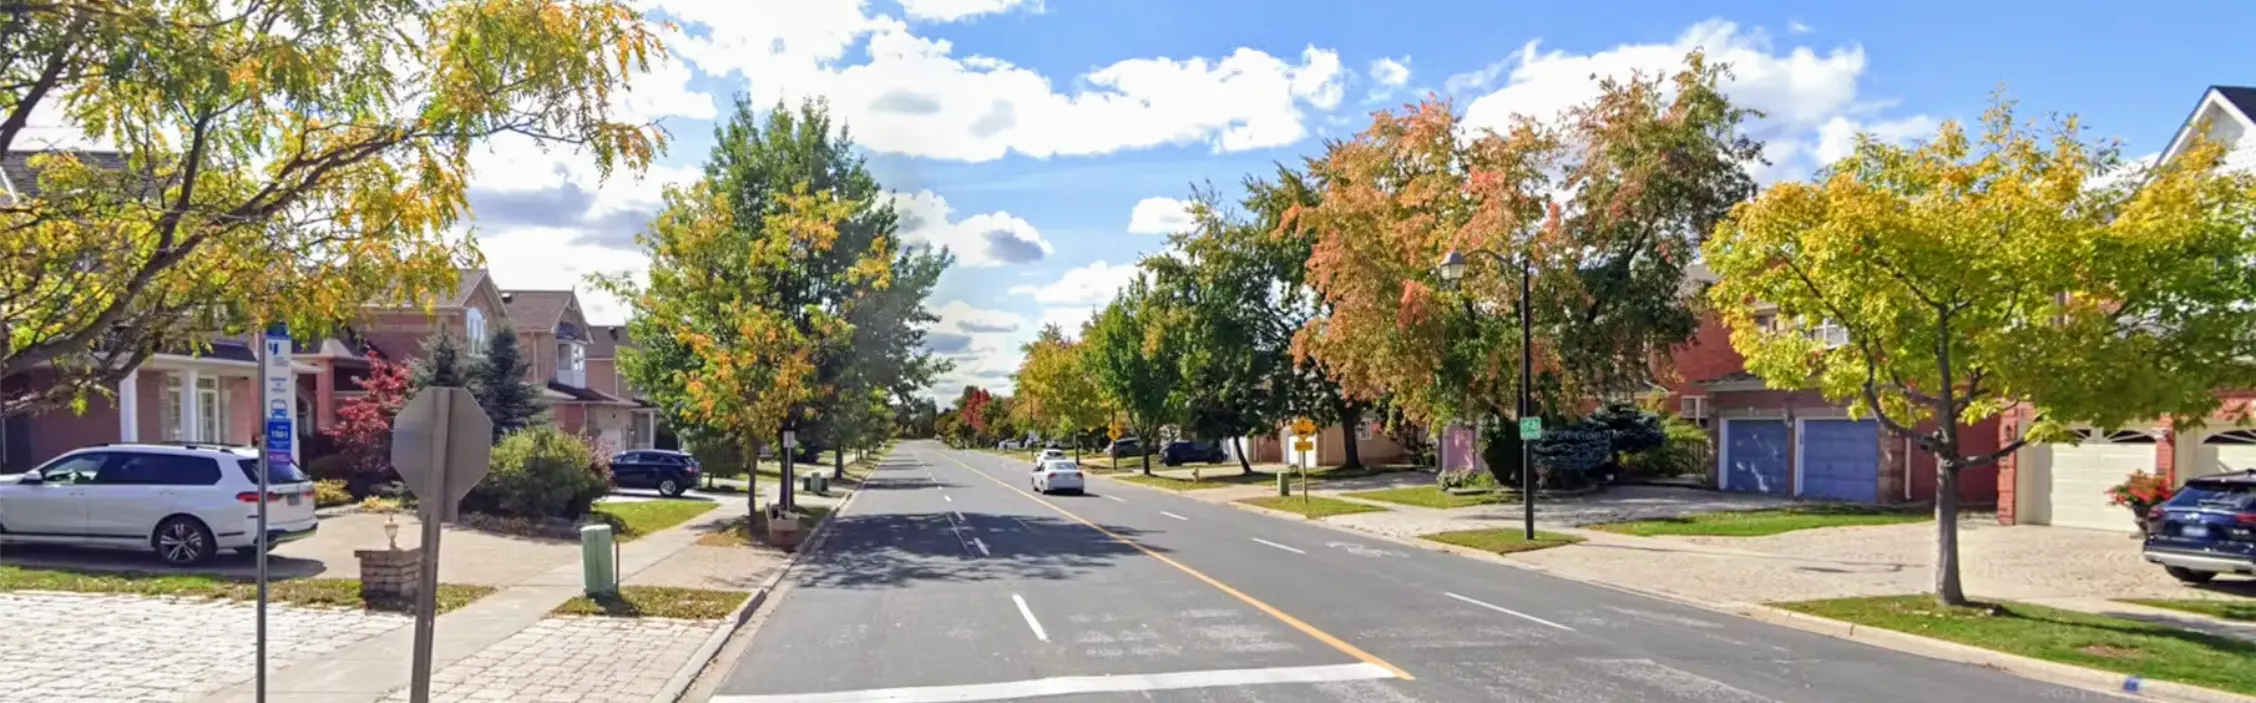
(185, 502)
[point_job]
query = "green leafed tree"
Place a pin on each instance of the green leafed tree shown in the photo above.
(281, 160)
(441, 364)
(1135, 364)
(2021, 268)
(1056, 394)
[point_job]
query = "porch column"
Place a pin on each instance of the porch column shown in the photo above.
(324, 395)
(129, 406)
(190, 413)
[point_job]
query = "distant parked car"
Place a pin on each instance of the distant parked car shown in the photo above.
(1180, 453)
(671, 473)
(2207, 528)
(183, 501)
(1126, 446)
(1058, 475)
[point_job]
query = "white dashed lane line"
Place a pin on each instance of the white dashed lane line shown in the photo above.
(1112, 498)
(1511, 612)
(1279, 546)
(1172, 515)
(1031, 623)
(982, 547)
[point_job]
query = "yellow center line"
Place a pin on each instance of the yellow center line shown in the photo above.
(1281, 616)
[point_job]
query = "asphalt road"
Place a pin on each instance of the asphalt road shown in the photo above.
(948, 581)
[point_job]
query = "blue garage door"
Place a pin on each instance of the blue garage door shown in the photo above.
(1754, 456)
(1841, 460)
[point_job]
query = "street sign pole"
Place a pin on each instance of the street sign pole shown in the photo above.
(277, 396)
(441, 444)
(426, 591)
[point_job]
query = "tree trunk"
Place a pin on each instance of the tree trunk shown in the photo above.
(1947, 588)
(838, 464)
(1245, 467)
(1351, 417)
(1145, 452)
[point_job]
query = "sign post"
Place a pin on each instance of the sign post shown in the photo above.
(278, 395)
(1303, 429)
(441, 443)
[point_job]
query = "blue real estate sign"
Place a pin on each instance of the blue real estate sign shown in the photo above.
(281, 390)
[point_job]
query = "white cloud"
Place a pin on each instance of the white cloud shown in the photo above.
(915, 96)
(1474, 80)
(1836, 138)
(955, 10)
(1390, 72)
(542, 258)
(983, 344)
(1796, 26)
(1800, 90)
(1159, 216)
(663, 91)
(964, 318)
(1094, 283)
(986, 239)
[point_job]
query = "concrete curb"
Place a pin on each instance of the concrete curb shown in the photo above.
(703, 656)
(2106, 682)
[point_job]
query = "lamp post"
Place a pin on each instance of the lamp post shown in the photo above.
(1452, 270)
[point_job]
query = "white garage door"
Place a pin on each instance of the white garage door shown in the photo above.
(2082, 473)
(2221, 451)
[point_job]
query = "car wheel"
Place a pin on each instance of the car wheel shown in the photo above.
(669, 488)
(2189, 575)
(183, 541)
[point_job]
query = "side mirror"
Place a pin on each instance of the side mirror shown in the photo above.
(32, 476)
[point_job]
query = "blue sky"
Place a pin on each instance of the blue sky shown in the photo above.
(1025, 133)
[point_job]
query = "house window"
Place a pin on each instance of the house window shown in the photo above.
(1829, 332)
(474, 325)
(1693, 407)
(211, 411)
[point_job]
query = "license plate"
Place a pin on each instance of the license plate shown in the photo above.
(295, 499)
(2194, 531)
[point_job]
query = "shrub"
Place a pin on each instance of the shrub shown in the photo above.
(330, 492)
(334, 467)
(1466, 478)
(541, 472)
(381, 506)
(1573, 456)
(1684, 452)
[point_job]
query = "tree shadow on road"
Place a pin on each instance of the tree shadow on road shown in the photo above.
(897, 550)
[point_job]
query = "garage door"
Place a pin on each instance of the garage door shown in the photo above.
(2222, 452)
(1841, 460)
(2082, 473)
(1754, 456)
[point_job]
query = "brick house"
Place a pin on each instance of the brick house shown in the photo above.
(398, 330)
(1795, 442)
(605, 376)
(181, 394)
(555, 337)
(2063, 484)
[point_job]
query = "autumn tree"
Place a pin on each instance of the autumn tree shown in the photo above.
(363, 428)
(1136, 365)
(1606, 203)
(1056, 394)
(2018, 271)
(270, 161)
(973, 410)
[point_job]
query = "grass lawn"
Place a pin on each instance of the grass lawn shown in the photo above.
(1431, 497)
(1761, 523)
(338, 593)
(1224, 475)
(737, 532)
(644, 517)
(1503, 540)
(2243, 610)
(1172, 484)
(656, 602)
(2096, 641)
(1311, 506)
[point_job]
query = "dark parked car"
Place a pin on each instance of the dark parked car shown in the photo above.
(2207, 528)
(1126, 446)
(1180, 453)
(671, 472)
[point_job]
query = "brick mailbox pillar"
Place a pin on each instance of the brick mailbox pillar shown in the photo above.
(389, 574)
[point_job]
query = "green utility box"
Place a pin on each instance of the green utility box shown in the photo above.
(598, 571)
(1284, 484)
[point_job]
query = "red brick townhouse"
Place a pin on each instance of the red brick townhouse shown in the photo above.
(555, 337)
(1793, 441)
(2063, 484)
(605, 376)
(398, 330)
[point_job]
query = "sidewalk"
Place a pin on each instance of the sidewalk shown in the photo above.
(506, 646)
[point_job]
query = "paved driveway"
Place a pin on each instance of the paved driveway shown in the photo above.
(156, 649)
(466, 556)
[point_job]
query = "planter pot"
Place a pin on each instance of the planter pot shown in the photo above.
(2145, 526)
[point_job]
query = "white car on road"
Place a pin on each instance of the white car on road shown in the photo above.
(185, 502)
(1053, 475)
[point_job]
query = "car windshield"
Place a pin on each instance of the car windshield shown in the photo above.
(281, 473)
(2219, 495)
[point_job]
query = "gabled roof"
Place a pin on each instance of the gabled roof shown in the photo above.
(587, 395)
(465, 285)
(2228, 101)
(537, 310)
(19, 180)
(607, 340)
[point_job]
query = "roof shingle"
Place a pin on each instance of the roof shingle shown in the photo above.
(536, 310)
